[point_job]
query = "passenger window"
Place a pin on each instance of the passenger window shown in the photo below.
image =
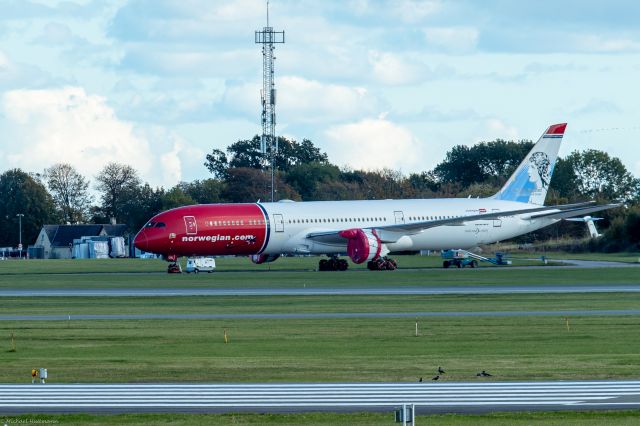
(160, 225)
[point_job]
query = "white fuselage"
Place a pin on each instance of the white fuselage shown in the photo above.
(291, 222)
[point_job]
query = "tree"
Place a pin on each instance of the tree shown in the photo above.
(487, 161)
(246, 153)
(247, 185)
(307, 153)
(307, 177)
(23, 194)
(378, 184)
(423, 184)
(141, 203)
(599, 176)
(204, 191)
(562, 188)
(217, 164)
(69, 190)
(176, 197)
(459, 165)
(500, 158)
(118, 184)
(292, 153)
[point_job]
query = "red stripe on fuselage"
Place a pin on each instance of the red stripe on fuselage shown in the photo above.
(219, 229)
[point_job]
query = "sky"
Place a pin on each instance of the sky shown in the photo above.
(158, 84)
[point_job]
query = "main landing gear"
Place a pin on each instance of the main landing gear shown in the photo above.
(333, 264)
(382, 264)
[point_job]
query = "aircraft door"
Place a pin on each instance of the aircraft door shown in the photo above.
(399, 216)
(278, 222)
(191, 225)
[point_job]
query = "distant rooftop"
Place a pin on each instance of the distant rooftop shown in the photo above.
(63, 235)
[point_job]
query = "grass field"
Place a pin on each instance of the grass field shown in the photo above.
(225, 264)
(328, 349)
(315, 304)
(554, 255)
(293, 273)
(323, 350)
(265, 350)
(587, 418)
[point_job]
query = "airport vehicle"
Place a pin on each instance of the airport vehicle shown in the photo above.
(200, 264)
(366, 231)
(462, 258)
(457, 258)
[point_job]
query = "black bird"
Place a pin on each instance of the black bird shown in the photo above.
(436, 378)
(441, 371)
(483, 374)
(420, 380)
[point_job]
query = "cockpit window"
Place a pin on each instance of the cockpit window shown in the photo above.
(160, 225)
(150, 225)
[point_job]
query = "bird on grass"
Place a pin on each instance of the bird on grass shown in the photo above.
(436, 378)
(441, 371)
(483, 374)
(420, 380)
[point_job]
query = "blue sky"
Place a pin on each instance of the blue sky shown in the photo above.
(159, 83)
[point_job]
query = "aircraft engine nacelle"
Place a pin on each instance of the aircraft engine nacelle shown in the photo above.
(263, 258)
(363, 245)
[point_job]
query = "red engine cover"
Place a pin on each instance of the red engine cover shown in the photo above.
(363, 244)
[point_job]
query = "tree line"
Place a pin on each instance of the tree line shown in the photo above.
(60, 194)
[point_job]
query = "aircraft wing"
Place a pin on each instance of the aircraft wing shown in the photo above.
(579, 211)
(331, 238)
(392, 233)
(417, 227)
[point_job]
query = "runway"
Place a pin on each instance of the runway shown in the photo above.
(328, 291)
(429, 397)
(318, 315)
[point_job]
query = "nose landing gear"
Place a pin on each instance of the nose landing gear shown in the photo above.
(333, 264)
(174, 266)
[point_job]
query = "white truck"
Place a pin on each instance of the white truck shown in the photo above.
(200, 264)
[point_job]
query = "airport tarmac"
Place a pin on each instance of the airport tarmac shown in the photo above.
(319, 315)
(428, 397)
(329, 291)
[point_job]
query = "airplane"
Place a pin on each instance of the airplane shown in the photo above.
(366, 231)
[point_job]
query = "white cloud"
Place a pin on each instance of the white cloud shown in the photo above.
(455, 39)
(20, 75)
(191, 62)
(596, 43)
(497, 129)
(305, 101)
(43, 127)
(374, 144)
(414, 10)
(55, 33)
(392, 69)
(4, 61)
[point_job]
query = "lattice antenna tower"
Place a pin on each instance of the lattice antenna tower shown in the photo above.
(268, 141)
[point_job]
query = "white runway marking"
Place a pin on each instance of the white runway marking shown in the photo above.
(451, 396)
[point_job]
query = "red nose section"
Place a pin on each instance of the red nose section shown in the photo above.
(140, 241)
